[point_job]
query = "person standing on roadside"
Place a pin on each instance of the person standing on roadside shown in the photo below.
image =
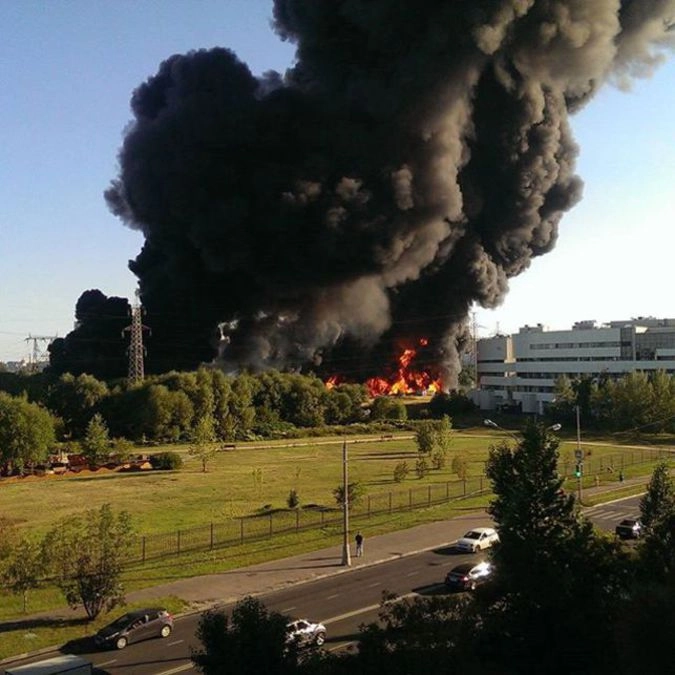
(359, 544)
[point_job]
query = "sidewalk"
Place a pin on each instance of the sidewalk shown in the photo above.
(233, 585)
(206, 591)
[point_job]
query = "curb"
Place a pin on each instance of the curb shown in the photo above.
(292, 584)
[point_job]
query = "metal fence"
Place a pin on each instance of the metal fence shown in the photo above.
(239, 531)
(609, 464)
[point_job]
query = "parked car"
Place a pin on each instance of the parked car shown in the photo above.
(477, 539)
(305, 633)
(630, 528)
(467, 576)
(134, 627)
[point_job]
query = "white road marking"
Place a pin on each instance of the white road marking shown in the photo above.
(363, 610)
(330, 597)
(177, 669)
(105, 663)
(287, 610)
(344, 645)
(377, 583)
(411, 574)
(175, 642)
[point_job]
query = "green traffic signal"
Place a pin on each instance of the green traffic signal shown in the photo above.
(577, 471)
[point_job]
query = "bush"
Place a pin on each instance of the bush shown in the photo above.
(401, 470)
(166, 461)
(293, 500)
(421, 467)
(438, 459)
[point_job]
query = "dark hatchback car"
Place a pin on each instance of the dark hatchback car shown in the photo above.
(134, 627)
(630, 528)
(467, 576)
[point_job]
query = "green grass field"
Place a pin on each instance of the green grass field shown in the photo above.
(244, 482)
(253, 479)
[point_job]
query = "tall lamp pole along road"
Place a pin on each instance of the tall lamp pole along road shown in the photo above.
(579, 456)
(346, 559)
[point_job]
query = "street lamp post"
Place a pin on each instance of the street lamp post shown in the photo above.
(579, 456)
(346, 558)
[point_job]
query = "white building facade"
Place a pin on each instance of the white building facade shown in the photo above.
(518, 372)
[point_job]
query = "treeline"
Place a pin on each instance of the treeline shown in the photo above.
(84, 413)
(637, 401)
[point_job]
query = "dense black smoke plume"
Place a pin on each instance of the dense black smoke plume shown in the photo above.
(416, 157)
(96, 345)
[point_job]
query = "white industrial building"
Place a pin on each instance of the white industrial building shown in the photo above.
(519, 371)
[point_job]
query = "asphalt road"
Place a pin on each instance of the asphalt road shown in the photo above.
(342, 602)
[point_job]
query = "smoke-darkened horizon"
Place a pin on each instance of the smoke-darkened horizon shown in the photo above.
(406, 166)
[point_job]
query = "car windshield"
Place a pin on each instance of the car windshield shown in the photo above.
(472, 535)
(123, 621)
(461, 570)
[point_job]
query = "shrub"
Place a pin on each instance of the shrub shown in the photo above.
(438, 459)
(293, 500)
(401, 470)
(421, 467)
(166, 461)
(460, 465)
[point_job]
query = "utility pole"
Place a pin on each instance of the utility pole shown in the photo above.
(136, 350)
(346, 559)
(579, 455)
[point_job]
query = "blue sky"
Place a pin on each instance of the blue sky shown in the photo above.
(67, 71)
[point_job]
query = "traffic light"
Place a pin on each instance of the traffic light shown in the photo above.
(577, 470)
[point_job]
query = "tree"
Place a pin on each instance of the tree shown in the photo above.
(460, 465)
(24, 569)
(443, 435)
(658, 502)
(203, 440)
(253, 641)
(430, 434)
(86, 556)
(554, 577)
(96, 441)
(657, 508)
(425, 436)
(75, 399)
(9, 538)
(26, 432)
(386, 408)
(425, 635)
(355, 493)
(421, 467)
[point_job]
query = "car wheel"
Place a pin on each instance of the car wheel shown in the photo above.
(319, 639)
(121, 643)
(166, 631)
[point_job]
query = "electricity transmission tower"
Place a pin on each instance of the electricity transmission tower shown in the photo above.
(38, 354)
(136, 350)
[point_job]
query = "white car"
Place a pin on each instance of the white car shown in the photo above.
(477, 539)
(304, 633)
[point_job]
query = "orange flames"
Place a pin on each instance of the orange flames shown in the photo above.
(403, 381)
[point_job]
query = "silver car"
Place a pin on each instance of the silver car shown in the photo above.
(305, 633)
(477, 539)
